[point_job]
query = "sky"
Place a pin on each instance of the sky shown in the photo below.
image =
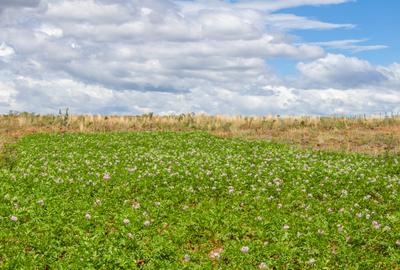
(231, 57)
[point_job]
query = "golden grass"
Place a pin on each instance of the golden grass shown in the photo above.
(374, 135)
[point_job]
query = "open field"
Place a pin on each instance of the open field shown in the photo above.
(372, 135)
(164, 200)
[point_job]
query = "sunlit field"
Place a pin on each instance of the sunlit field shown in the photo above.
(374, 135)
(165, 200)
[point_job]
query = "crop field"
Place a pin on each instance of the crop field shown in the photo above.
(191, 200)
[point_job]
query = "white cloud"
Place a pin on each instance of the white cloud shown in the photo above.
(18, 3)
(136, 56)
(263, 5)
(354, 45)
(51, 31)
(273, 5)
(340, 71)
(290, 21)
(50, 95)
(5, 50)
(7, 97)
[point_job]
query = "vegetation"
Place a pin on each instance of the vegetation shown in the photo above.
(373, 135)
(165, 200)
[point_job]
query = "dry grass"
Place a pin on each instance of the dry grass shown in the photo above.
(356, 134)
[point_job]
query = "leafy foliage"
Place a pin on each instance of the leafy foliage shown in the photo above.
(164, 200)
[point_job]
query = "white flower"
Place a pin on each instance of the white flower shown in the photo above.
(136, 205)
(244, 249)
(215, 254)
(311, 261)
(130, 235)
(386, 228)
(13, 218)
(88, 216)
(398, 243)
(146, 223)
(40, 202)
(126, 221)
(186, 258)
(286, 227)
(262, 265)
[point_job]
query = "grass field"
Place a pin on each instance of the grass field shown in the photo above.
(372, 135)
(164, 200)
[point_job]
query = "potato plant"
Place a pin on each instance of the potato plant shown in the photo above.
(166, 200)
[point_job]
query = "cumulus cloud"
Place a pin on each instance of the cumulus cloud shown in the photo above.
(336, 70)
(137, 56)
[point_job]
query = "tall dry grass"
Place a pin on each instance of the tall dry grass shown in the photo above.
(361, 134)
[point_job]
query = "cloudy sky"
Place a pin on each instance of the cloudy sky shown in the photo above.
(251, 57)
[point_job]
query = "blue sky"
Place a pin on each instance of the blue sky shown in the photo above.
(253, 57)
(375, 23)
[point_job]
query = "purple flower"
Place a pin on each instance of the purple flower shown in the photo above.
(14, 218)
(106, 177)
(245, 249)
(186, 258)
(376, 224)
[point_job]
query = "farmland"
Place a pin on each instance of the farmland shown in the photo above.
(191, 200)
(372, 135)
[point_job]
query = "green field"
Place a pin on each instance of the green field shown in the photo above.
(194, 201)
